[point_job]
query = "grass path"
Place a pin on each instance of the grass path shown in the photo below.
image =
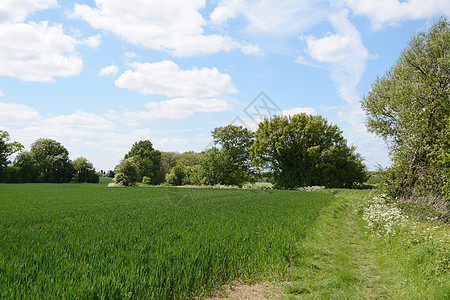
(337, 262)
(337, 259)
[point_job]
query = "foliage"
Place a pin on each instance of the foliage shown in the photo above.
(94, 242)
(236, 142)
(416, 252)
(126, 172)
(23, 169)
(147, 160)
(304, 150)
(168, 161)
(51, 160)
(7, 149)
(375, 177)
(84, 171)
(177, 175)
(410, 108)
(146, 180)
(219, 167)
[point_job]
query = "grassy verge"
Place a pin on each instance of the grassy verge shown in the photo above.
(343, 259)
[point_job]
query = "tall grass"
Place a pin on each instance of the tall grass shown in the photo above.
(413, 252)
(90, 241)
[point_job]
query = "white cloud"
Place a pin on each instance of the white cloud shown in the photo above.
(92, 41)
(12, 11)
(79, 125)
(37, 52)
(353, 114)
(298, 110)
(170, 110)
(170, 143)
(17, 114)
(226, 10)
(392, 12)
(332, 49)
(130, 54)
(272, 17)
(344, 53)
(166, 78)
(173, 26)
(1, 94)
(109, 70)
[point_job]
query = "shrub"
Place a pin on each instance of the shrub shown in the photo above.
(146, 180)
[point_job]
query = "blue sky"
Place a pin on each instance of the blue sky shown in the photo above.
(98, 76)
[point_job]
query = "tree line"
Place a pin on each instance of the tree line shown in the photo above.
(47, 161)
(290, 152)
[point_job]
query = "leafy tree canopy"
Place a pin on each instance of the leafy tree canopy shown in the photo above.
(27, 169)
(84, 171)
(51, 161)
(410, 108)
(7, 148)
(236, 142)
(218, 167)
(148, 161)
(304, 150)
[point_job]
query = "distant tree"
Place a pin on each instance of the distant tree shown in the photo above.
(189, 158)
(236, 142)
(218, 167)
(127, 172)
(51, 161)
(410, 108)
(84, 171)
(11, 174)
(177, 175)
(110, 174)
(168, 161)
(7, 148)
(27, 167)
(304, 150)
(147, 160)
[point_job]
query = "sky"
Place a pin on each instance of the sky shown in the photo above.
(98, 76)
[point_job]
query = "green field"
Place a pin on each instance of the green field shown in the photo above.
(90, 241)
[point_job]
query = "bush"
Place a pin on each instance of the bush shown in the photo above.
(126, 173)
(146, 180)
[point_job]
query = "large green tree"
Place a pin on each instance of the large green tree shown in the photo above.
(236, 142)
(148, 161)
(304, 150)
(51, 160)
(7, 148)
(410, 108)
